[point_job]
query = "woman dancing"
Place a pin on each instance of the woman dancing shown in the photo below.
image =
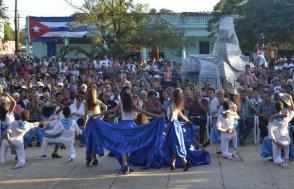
(174, 112)
(6, 113)
(93, 107)
(127, 109)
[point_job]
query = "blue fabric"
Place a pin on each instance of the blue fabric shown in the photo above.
(215, 136)
(161, 156)
(146, 144)
(122, 138)
(89, 139)
(175, 140)
(21, 124)
(214, 133)
(236, 125)
(67, 123)
(52, 136)
(51, 48)
(41, 131)
(4, 127)
(28, 137)
(61, 31)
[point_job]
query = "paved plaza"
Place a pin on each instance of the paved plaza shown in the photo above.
(252, 173)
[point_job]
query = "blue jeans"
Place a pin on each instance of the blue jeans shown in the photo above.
(245, 125)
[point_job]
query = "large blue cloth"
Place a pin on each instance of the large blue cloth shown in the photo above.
(89, 139)
(122, 138)
(146, 144)
(180, 139)
(175, 140)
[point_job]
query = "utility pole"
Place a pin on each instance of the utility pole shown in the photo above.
(16, 28)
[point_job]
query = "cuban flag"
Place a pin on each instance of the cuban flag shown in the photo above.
(46, 28)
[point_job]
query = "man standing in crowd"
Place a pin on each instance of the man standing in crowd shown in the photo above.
(246, 114)
(265, 110)
(198, 109)
(247, 78)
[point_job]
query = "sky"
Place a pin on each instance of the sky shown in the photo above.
(61, 8)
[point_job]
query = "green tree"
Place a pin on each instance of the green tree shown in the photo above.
(8, 32)
(223, 8)
(121, 25)
(270, 18)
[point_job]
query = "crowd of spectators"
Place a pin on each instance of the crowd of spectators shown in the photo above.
(54, 82)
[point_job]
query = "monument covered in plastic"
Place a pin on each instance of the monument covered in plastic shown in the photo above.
(226, 63)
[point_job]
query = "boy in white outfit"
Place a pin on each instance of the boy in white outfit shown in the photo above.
(63, 132)
(278, 129)
(225, 124)
(14, 138)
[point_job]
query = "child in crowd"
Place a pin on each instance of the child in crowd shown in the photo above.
(225, 125)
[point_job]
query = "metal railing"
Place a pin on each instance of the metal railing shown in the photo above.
(256, 131)
(215, 82)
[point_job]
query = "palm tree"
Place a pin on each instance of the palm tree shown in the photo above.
(3, 9)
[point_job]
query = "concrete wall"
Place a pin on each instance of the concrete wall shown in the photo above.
(39, 49)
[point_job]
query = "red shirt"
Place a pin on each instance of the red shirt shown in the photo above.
(194, 108)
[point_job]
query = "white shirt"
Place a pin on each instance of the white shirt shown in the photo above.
(212, 107)
(278, 68)
(67, 135)
(96, 64)
(278, 128)
(80, 110)
(17, 133)
(105, 63)
(226, 123)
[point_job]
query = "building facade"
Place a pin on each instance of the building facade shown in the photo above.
(193, 27)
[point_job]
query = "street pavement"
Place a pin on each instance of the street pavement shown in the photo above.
(251, 173)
